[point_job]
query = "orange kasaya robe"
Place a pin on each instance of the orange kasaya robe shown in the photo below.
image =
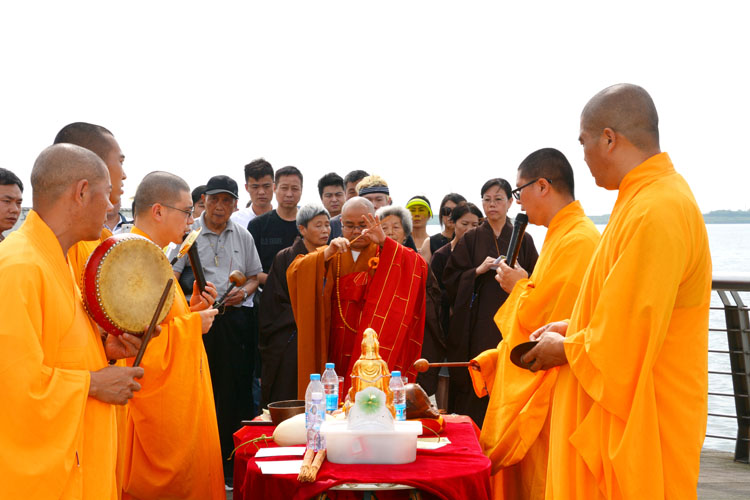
(172, 440)
(389, 298)
(629, 409)
(56, 441)
(78, 256)
(515, 435)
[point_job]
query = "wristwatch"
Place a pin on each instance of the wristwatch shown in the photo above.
(244, 292)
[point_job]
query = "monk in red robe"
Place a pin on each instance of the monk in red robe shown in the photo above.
(629, 412)
(361, 280)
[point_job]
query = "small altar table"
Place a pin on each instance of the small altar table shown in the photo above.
(458, 470)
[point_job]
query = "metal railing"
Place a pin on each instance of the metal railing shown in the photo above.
(737, 329)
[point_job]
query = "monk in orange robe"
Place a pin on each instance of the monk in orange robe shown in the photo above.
(102, 142)
(172, 440)
(515, 435)
(58, 432)
(353, 284)
(630, 404)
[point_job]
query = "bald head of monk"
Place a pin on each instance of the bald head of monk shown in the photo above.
(163, 207)
(102, 142)
(544, 185)
(619, 131)
(353, 222)
(70, 192)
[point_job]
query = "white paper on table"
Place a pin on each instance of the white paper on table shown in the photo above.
(280, 466)
(429, 444)
(281, 451)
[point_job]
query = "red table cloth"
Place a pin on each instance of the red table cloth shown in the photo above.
(456, 471)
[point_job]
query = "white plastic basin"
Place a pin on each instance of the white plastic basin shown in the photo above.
(344, 446)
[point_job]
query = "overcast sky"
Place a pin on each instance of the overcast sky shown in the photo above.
(433, 96)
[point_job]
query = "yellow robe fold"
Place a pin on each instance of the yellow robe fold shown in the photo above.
(629, 410)
(515, 435)
(172, 440)
(56, 441)
(78, 256)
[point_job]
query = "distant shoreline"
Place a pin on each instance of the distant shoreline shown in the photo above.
(713, 217)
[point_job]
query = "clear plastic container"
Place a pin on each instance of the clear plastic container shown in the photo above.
(345, 446)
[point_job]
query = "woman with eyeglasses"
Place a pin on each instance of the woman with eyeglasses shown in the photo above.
(436, 241)
(469, 279)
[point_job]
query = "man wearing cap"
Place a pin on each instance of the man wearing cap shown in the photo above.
(223, 247)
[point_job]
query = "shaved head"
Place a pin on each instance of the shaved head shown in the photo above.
(87, 135)
(628, 110)
(358, 203)
(159, 187)
(60, 167)
(550, 164)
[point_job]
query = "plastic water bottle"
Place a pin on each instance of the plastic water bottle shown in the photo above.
(315, 410)
(331, 386)
(399, 395)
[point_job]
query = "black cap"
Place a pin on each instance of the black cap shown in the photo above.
(222, 184)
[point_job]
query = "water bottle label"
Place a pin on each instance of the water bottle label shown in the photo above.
(400, 412)
(332, 402)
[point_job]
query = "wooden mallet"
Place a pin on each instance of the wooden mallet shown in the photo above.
(422, 365)
(236, 278)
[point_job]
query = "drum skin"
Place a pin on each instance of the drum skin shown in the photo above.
(123, 282)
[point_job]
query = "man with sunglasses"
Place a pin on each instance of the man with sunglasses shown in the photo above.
(515, 435)
(175, 405)
(223, 247)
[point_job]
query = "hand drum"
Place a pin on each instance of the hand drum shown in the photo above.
(123, 282)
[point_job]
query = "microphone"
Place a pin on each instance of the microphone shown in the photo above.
(519, 228)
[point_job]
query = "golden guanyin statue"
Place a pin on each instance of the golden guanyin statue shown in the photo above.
(370, 370)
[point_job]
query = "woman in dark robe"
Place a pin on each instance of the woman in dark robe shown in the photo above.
(469, 279)
(437, 241)
(463, 217)
(278, 332)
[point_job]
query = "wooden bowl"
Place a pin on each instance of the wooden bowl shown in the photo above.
(282, 410)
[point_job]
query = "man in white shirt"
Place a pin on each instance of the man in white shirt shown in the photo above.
(259, 185)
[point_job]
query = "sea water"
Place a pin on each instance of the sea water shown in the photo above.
(730, 255)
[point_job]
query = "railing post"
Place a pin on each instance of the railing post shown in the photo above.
(738, 338)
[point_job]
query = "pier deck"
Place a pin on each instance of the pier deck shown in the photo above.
(723, 478)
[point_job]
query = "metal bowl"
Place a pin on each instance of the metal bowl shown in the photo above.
(282, 410)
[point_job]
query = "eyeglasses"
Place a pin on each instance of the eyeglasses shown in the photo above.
(351, 227)
(517, 192)
(188, 211)
(446, 211)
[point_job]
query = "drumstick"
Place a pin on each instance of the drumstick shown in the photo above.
(422, 365)
(152, 325)
(237, 279)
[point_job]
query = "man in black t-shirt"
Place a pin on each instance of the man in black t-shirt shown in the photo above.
(277, 229)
